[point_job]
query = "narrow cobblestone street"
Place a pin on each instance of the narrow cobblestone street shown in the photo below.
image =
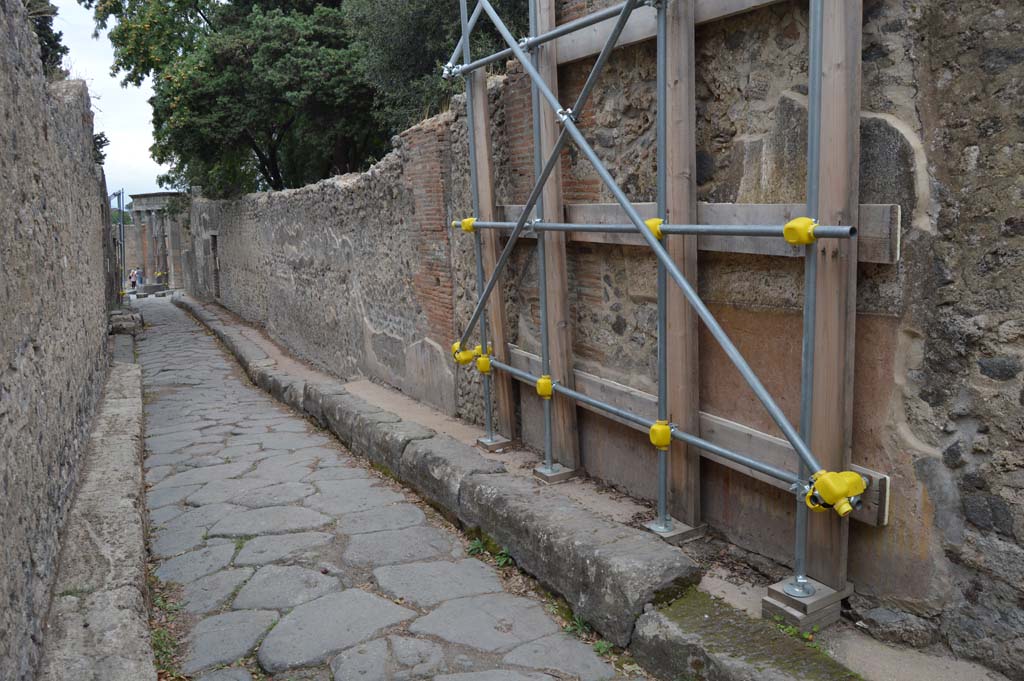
(290, 551)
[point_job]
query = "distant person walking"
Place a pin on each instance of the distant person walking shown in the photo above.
(133, 277)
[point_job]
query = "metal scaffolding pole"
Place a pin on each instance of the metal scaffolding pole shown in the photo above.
(536, 40)
(663, 523)
(123, 251)
(630, 417)
(800, 586)
(566, 117)
(548, 470)
(475, 190)
(462, 38)
(768, 231)
(550, 164)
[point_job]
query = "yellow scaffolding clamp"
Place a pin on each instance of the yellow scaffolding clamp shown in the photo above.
(545, 387)
(654, 224)
(462, 356)
(483, 364)
(467, 224)
(661, 435)
(799, 231)
(840, 491)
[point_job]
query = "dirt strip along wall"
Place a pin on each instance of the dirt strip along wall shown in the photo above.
(360, 275)
(55, 268)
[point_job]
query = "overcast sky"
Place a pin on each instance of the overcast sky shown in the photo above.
(122, 113)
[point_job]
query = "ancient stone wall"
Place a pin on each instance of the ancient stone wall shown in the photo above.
(939, 344)
(53, 238)
(352, 273)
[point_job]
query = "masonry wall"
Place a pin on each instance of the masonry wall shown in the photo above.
(939, 345)
(53, 238)
(352, 273)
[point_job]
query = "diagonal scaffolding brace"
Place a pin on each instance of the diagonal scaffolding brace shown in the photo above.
(553, 159)
(815, 487)
(567, 119)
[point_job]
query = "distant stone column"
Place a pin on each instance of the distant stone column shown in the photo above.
(174, 242)
(134, 238)
(145, 244)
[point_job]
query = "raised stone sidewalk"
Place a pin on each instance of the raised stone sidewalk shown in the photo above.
(97, 628)
(633, 588)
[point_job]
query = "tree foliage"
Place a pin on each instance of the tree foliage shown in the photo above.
(404, 44)
(52, 49)
(100, 142)
(247, 95)
(257, 94)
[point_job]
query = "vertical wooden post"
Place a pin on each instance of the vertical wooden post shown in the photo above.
(565, 439)
(681, 205)
(832, 416)
(504, 397)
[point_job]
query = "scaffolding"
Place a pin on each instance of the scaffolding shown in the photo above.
(118, 199)
(815, 487)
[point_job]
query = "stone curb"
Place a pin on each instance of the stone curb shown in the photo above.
(700, 637)
(98, 624)
(606, 571)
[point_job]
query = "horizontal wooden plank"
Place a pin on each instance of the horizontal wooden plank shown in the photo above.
(721, 431)
(878, 235)
(643, 26)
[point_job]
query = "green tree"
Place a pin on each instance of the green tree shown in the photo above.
(404, 44)
(100, 142)
(247, 95)
(52, 50)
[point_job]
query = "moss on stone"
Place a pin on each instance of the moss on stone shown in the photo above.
(724, 631)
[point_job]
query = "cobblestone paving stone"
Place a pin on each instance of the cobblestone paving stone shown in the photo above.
(290, 552)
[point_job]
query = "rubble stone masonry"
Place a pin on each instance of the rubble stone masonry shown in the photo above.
(53, 243)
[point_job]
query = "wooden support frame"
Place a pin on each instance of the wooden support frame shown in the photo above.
(720, 431)
(832, 415)
(504, 395)
(564, 434)
(878, 234)
(681, 207)
(831, 430)
(643, 25)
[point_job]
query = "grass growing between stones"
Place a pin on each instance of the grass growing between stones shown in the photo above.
(240, 542)
(483, 547)
(167, 629)
(794, 631)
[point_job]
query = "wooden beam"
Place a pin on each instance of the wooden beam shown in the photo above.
(681, 207)
(878, 235)
(832, 414)
(720, 431)
(504, 396)
(565, 438)
(643, 25)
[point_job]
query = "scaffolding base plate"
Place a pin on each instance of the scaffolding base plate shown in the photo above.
(558, 473)
(823, 596)
(494, 443)
(821, 618)
(680, 532)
